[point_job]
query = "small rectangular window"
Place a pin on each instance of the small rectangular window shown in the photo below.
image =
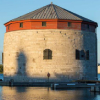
(87, 26)
(82, 55)
(21, 25)
(43, 23)
(69, 24)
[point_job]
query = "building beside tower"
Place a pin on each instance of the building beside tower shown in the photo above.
(50, 40)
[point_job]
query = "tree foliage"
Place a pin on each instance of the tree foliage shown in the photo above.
(1, 68)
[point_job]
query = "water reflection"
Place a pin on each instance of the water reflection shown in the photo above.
(41, 93)
(1, 76)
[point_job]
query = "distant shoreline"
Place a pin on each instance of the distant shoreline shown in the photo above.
(2, 73)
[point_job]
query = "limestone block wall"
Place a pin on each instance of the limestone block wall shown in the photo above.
(98, 69)
(23, 55)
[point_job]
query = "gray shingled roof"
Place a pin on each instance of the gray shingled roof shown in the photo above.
(52, 11)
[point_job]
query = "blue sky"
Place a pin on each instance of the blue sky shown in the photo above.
(10, 9)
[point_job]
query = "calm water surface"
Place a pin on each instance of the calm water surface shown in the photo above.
(42, 93)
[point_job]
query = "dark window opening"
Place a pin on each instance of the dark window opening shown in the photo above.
(21, 25)
(43, 23)
(82, 55)
(87, 26)
(47, 54)
(69, 24)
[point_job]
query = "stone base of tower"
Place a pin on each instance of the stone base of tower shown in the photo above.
(45, 79)
(24, 60)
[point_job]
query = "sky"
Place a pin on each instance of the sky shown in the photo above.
(10, 9)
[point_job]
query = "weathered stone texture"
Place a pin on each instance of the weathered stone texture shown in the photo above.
(23, 55)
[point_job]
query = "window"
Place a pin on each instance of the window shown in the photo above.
(47, 54)
(69, 24)
(21, 25)
(82, 55)
(43, 23)
(87, 26)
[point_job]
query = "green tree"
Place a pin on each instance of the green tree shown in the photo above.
(1, 68)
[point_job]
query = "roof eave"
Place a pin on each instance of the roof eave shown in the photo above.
(92, 23)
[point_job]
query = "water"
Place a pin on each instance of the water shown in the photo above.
(1, 76)
(44, 93)
(98, 76)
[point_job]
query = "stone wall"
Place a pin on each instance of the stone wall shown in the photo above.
(23, 55)
(98, 69)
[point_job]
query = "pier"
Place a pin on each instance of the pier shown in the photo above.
(93, 85)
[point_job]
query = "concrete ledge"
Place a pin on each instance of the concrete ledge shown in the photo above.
(4, 83)
(58, 85)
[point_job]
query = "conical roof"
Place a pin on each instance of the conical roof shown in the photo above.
(52, 11)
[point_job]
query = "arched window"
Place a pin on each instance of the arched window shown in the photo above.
(47, 54)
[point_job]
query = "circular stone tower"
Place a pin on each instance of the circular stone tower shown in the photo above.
(50, 41)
